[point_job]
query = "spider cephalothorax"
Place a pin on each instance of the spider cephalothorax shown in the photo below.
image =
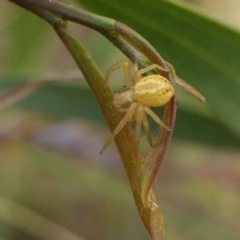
(139, 95)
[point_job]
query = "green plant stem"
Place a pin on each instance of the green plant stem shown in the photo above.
(124, 141)
(68, 12)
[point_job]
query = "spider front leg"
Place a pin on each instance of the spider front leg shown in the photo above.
(127, 72)
(187, 87)
(138, 73)
(127, 117)
(190, 89)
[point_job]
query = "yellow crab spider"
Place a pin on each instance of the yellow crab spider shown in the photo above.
(140, 93)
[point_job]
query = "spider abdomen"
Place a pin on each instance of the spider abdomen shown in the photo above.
(153, 90)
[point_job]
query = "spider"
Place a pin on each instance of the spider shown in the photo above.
(139, 94)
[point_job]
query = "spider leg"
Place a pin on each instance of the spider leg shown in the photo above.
(147, 129)
(127, 117)
(149, 68)
(190, 89)
(127, 72)
(156, 118)
(138, 118)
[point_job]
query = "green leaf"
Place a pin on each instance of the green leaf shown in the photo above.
(203, 51)
(26, 37)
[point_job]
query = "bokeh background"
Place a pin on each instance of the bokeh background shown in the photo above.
(52, 179)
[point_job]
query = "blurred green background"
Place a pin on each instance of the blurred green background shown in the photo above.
(50, 140)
